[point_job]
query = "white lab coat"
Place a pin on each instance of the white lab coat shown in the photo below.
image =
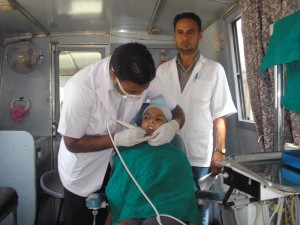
(205, 97)
(87, 107)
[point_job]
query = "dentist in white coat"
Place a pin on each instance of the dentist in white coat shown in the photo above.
(113, 88)
(201, 89)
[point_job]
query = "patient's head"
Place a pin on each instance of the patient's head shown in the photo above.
(156, 114)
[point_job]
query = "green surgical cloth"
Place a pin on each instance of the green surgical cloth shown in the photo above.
(291, 98)
(284, 48)
(165, 175)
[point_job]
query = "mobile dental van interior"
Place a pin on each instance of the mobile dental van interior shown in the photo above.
(44, 43)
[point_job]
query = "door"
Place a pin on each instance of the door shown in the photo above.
(66, 61)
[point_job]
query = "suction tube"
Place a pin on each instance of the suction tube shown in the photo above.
(127, 125)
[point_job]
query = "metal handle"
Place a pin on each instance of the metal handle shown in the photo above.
(54, 129)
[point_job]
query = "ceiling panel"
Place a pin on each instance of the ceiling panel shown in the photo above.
(205, 9)
(131, 14)
(12, 23)
(68, 16)
(75, 16)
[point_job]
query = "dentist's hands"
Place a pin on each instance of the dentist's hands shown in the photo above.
(164, 134)
(130, 137)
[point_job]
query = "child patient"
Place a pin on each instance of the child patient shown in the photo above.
(164, 174)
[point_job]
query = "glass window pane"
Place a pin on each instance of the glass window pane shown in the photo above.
(245, 97)
(70, 62)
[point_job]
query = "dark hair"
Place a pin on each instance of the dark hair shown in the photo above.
(133, 62)
(187, 15)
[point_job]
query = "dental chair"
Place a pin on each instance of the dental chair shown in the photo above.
(96, 201)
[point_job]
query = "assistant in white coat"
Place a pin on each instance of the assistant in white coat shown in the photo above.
(201, 89)
(205, 98)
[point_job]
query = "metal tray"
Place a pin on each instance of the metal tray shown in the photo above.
(265, 169)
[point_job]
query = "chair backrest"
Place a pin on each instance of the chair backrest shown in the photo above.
(178, 142)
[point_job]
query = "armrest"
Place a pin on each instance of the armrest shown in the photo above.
(211, 195)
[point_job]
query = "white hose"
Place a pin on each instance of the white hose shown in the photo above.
(264, 212)
(236, 217)
(280, 211)
(276, 209)
(258, 207)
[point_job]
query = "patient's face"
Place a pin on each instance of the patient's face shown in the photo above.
(153, 118)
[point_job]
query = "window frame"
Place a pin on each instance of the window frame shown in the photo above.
(235, 67)
(55, 86)
(238, 69)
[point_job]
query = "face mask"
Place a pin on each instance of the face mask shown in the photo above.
(127, 97)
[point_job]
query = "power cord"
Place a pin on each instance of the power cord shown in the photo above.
(137, 184)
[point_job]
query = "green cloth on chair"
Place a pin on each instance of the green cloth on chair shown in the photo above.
(284, 48)
(165, 175)
(291, 98)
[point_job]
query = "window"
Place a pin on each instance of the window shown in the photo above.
(67, 60)
(244, 97)
(70, 62)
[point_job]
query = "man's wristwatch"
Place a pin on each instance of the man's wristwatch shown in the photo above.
(222, 150)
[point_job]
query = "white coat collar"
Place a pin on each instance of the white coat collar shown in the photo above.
(196, 74)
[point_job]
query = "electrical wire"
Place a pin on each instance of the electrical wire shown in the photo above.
(292, 215)
(137, 184)
(286, 211)
(296, 208)
(280, 211)
(289, 212)
(275, 210)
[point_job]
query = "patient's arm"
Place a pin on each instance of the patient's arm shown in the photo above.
(108, 219)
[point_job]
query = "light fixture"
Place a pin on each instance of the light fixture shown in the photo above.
(85, 7)
(5, 6)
